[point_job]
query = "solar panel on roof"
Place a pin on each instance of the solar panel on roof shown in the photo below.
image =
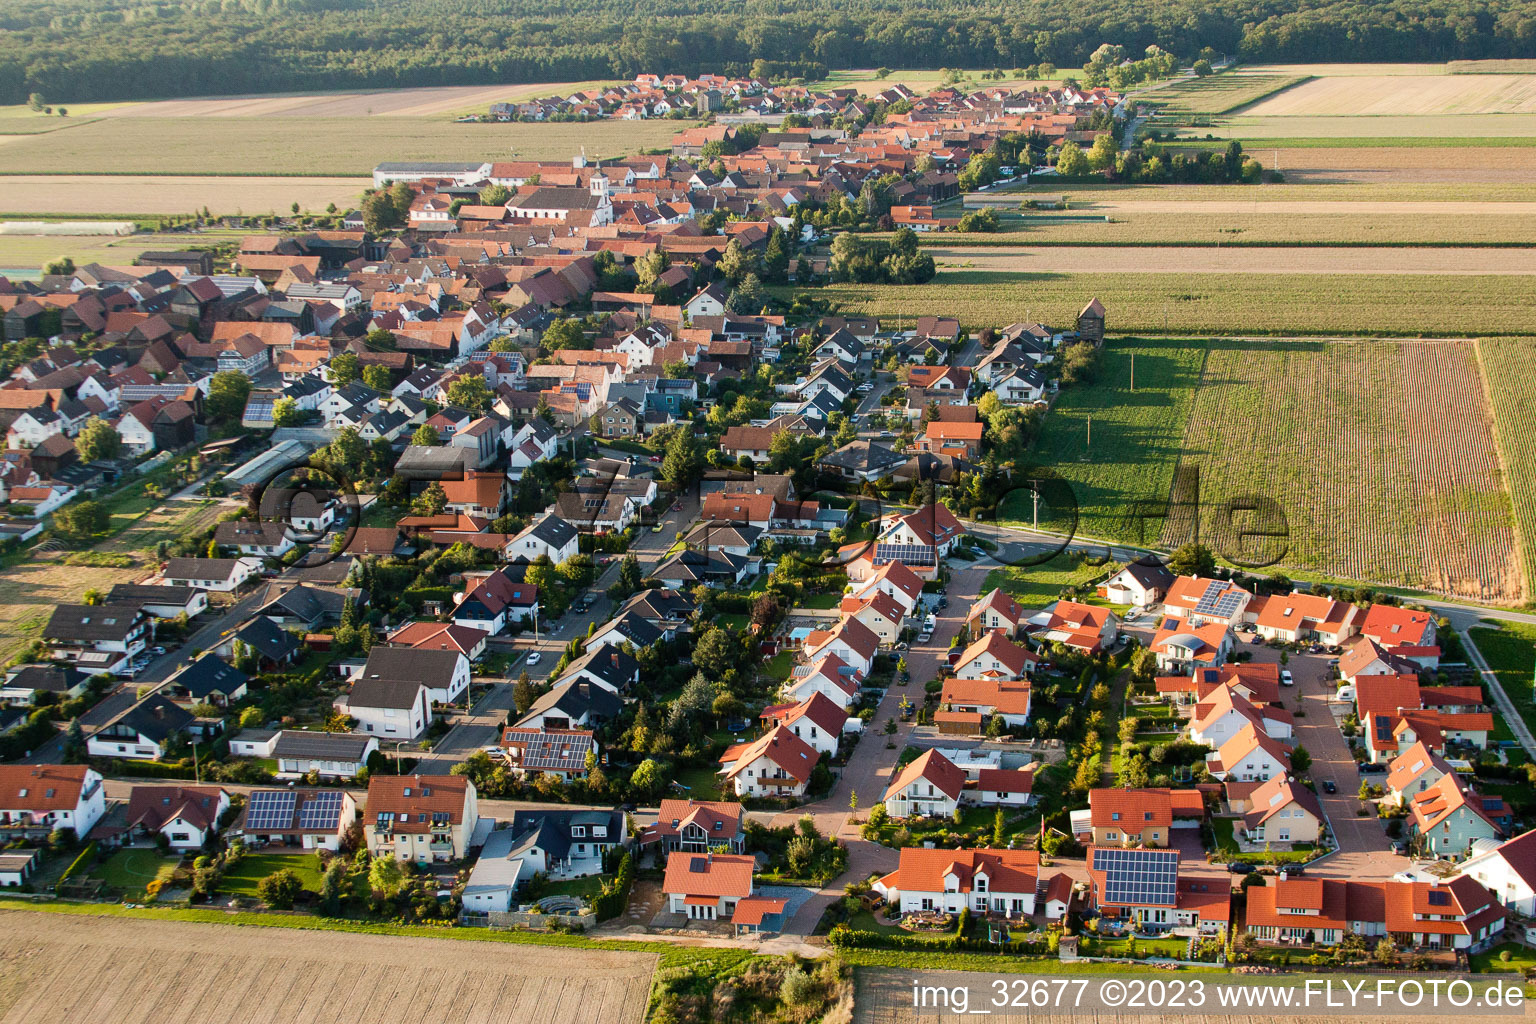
(1438, 898)
(1145, 877)
(912, 554)
(320, 811)
(270, 809)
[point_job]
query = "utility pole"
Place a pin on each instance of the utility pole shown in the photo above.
(1036, 490)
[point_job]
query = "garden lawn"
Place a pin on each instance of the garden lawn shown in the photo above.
(702, 783)
(242, 879)
(866, 921)
(1521, 959)
(585, 887)
(780, 665)
(132, 869)
(1037, 584)
(822, 602)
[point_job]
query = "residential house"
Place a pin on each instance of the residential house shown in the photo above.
(1282, 810)
(98, 638)
(556, 845)
(443, 674)
(707, 886)
(817, 720)
(697, 826)
(188, 816)
(988, 698)
(303, 819)
(777, 764)
(331, 755)
(1139, 584)
(1199, 601)
(141, 731)
(1251, 755)
(549, 535)
(37, 799)
(540, 751)
(1508, 871)
(1448, 817)
(1142, 817)
(573, 703)
(1183, 648)
(222, 575)
(995, 611)
(1082, 627)
(854, 643)
(996, 657)
(983, 881)
(929, 786)
(421, 818)
(829, 676)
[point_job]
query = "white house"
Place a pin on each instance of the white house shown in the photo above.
(948, 881)
(1509, 872)
(777, 764)
(223, 575)
(185, 815)
(817, 720)
(929, 786)
(45, 797)
(549, 535)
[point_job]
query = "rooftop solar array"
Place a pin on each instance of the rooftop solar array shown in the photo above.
(320, 810)
(911, 554)
(551, 751)
(1138, 877)
(1219, 599)
(271, 809)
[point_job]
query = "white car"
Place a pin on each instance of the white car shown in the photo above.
(1286, 679)
(535, 658)
(923, 638)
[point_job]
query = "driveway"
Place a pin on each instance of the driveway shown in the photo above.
(1365, 852)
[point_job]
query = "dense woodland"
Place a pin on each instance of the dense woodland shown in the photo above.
(81, 50)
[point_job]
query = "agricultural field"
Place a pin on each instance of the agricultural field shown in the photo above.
(1406, 164)
(1510, 650)
(432, 101)
(132, 196)
(168, 521)
(1395, 96)
(29, 252)
(1133, 227)
(1115, 445)
(1243, 260)
(1344, 198)
(1381, 455)
(1507, 365)
(1217, 94)
(146, 970)
(1414, 305)
(1251, 124)
(324, 146)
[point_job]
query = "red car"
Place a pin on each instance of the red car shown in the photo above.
(655, 458)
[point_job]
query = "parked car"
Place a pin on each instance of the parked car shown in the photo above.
(1329, 786)
(923, 638)
(1256, 639)
(1401, 849)
(1286, 679)
(1237, 867)
(1367, 768)
(157, 650)
(535, 657)
(658, 527)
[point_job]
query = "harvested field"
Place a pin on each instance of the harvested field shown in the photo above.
(1509, 373)
(1239, 260)
(1397, 95)
(1320, 198)
(147, 970)
(424, 102)
(1448, 164)
(1252, 124)
(29, 590)
(1217, 304)
(27, 195)
(1131, 226)
(1381, 455)
(38, 125)
(1217, 94)
(1352, 70)
(309, 145)
(170, 520)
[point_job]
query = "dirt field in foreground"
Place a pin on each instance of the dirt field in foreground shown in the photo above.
(1291, 260)
(112, 193)
(56, 967)
(1448, 165)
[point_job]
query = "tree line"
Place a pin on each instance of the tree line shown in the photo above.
(79, 50)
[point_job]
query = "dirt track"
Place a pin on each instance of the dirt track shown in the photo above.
(1283, 260)
(63, 968)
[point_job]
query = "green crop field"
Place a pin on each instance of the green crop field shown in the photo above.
(310, 146)
(1093, 197)
(1224, 304)
(1217, 94)
(1509, 366)
(1510, 650)
(1115, 445)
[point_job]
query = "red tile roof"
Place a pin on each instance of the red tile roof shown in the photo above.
(932, 767)
(713, 875)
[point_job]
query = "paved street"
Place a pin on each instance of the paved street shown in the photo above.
(1364, 850)
(869, 770)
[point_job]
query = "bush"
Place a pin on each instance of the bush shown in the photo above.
(279, 889)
